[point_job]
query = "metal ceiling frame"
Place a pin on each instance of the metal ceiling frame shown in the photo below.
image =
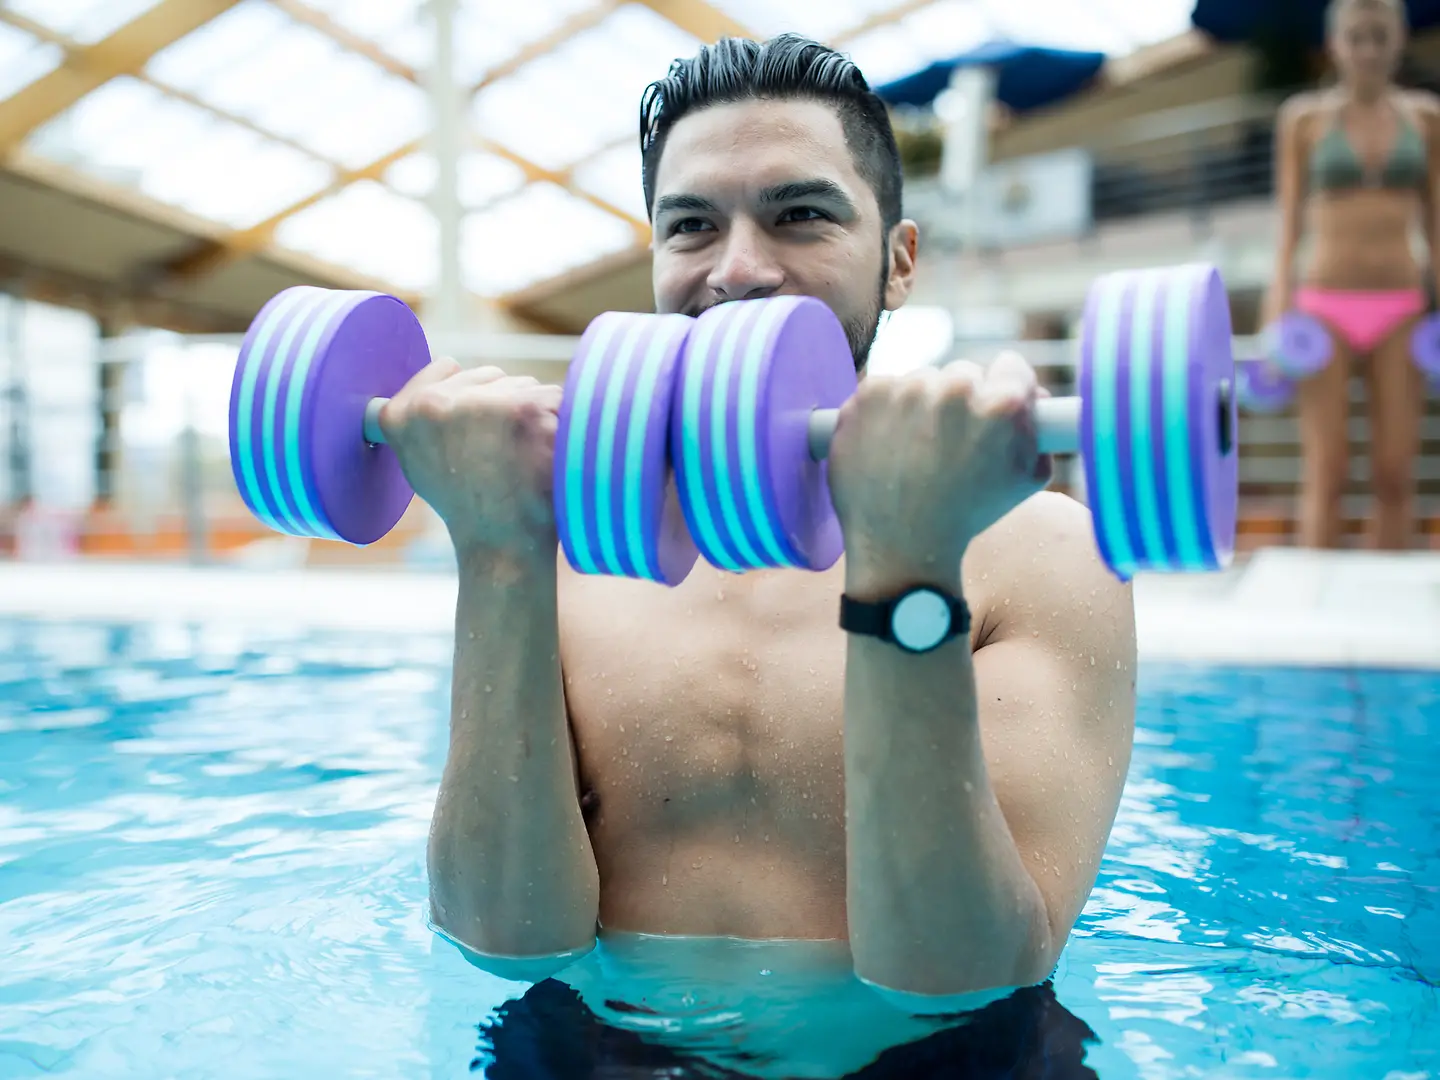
(129, 48)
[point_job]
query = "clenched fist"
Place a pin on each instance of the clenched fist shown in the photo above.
(923, 463)
(477, 445)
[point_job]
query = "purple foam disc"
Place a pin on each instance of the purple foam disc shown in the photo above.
(1158, 419)
(1261, 387)
(616, 510)
(1298, 344)
(308, 365)
(1425, 347)
(752, 373)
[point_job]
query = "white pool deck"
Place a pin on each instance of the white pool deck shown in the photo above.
(1279, 607)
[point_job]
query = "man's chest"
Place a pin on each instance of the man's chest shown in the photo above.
(692, 707)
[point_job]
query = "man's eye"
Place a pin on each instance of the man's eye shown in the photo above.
(803, 213)
(685, 225)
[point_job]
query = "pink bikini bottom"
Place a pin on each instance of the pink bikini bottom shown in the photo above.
(1364, 319)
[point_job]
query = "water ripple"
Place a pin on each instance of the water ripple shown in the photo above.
(212, 865)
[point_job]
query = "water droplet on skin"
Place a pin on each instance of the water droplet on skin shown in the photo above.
(737, 838)
(514, 779)
(1110, 761)
(624, 751)
(472, 635)
(489, 689)
(464, 714)
(622, 729)
(969, 787)
(665, 879)
(1007, 601)
(764, 971)
(765, 837)
(1092, 661)
(1034, 633)
(669, 738)
(696, 865)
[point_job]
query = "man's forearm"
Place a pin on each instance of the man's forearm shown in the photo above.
(938, 900)
(512, 872)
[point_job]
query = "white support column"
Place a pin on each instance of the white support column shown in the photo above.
(965, 111)
(446, 314)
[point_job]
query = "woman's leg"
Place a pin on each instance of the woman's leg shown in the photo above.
(1397, 402)
(1323, 407)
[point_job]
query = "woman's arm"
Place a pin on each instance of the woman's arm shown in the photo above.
(1289, 201)
(1427, 111)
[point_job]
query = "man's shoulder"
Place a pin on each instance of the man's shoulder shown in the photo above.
(1050, 530)
(1043, 554)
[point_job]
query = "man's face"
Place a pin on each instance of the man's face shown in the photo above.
(762, 198)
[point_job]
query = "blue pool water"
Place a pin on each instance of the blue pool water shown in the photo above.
(212, 865)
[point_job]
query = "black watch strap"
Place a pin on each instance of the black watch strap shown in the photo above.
(871, 618)
(876, 618)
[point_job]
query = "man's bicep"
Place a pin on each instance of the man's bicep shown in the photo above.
(1056, 692)
(1057, 746)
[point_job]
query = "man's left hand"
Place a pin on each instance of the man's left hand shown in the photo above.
(922, 463)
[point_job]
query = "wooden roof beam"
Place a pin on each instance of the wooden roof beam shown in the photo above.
(888, 17)
(699, 19)
(124, 52)
(212, 256)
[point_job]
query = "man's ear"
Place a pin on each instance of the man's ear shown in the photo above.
(900, 277)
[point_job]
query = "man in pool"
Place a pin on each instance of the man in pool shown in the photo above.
(724, 758)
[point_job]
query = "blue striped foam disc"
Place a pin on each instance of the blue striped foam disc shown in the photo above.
(616, 509)
(1158, 419)
(307, 367)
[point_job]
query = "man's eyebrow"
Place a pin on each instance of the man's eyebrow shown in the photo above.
(827, 190)
(694, 203)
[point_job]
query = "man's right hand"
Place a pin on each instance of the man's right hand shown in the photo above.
(478, 446)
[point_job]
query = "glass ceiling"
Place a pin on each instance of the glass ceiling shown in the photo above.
(246, 119)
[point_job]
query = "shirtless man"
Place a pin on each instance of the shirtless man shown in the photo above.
(722, 758)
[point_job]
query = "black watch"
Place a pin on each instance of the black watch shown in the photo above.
(918, 620)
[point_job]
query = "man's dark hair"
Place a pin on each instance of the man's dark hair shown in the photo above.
(785, 67)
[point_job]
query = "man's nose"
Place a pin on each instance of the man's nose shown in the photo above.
(746, 268)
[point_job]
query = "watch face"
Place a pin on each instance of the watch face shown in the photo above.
(920, 620)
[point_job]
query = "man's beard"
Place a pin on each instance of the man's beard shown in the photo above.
(860, 331)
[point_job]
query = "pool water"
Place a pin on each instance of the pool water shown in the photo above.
(212, 865)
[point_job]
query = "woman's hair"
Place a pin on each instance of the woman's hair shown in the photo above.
(1336, 8)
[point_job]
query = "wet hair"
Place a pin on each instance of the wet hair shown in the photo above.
(1336, 8)
(785, 67)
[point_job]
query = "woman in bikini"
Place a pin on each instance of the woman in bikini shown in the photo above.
(1356, 169)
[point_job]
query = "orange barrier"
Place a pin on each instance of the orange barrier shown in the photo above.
(102, 533)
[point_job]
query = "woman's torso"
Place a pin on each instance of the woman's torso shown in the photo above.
(1366, 172)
